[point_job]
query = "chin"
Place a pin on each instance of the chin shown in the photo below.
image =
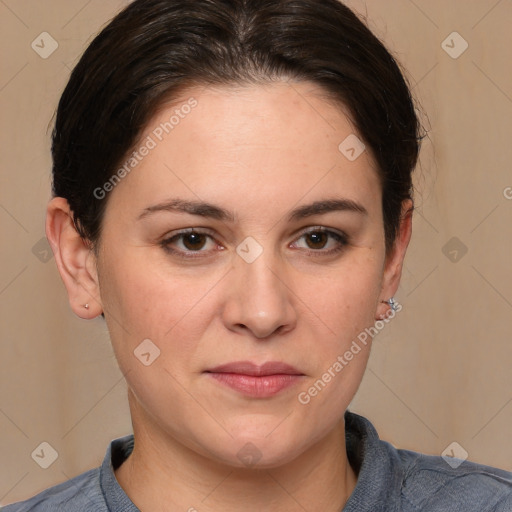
(263, 451)
(253, 456)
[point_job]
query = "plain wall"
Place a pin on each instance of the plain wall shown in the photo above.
(439, 372)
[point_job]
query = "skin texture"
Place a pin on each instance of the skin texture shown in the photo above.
(259, 152)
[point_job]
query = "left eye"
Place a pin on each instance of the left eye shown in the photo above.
(320, 237)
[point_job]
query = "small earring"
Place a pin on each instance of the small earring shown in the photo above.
(86, 306)
(392, 303)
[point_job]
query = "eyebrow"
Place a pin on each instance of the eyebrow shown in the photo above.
(204, 209)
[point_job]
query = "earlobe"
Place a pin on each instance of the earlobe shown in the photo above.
(394, 261)
(75, 260)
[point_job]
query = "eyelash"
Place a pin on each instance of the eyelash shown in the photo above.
(341, 239)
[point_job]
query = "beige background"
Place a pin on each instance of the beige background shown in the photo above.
(440, 372)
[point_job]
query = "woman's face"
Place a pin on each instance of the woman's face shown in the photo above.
(256, 282)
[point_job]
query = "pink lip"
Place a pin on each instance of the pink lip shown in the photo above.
(256, 381)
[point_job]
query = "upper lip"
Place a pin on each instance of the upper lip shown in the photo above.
(250, 368)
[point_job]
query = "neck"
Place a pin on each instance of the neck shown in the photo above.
(162, 474)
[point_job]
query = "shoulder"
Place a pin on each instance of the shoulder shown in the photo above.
(433, 483)
(82, 492)
(396, 479)
(91, 490)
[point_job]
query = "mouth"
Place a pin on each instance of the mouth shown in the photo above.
(258, 381)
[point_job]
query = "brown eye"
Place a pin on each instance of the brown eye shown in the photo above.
(318, 239)
(189, 244)
(193, 241)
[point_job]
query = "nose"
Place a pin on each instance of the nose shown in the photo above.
(260, 299)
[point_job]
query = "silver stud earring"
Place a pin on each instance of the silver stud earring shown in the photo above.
(86, 306)
(392, 303)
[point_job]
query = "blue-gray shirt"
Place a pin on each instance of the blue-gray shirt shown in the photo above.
(389, 480)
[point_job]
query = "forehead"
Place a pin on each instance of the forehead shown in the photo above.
(283, 115)
(258, 139)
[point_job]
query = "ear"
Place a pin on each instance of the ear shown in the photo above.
(395, 258)
(75, 260)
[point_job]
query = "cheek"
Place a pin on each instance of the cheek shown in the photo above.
(347, 305)
(155, 326)
(143, 302)
(350, 293)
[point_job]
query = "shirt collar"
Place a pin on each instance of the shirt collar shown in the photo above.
(115, 497)
(379, 468)
(376, 463)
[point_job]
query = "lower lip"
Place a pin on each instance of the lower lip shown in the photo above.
(259, 387)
